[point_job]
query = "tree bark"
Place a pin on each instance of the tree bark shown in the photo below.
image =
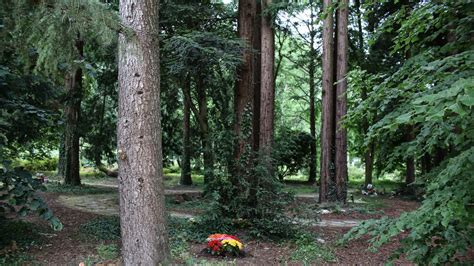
(267, 88)
(142, 201)
(186, 156)
(341, 101)
(327, 117)
(208, 156)
(72, 112)
(246, 95)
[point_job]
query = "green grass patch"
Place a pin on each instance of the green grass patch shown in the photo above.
(309, 251)
(103, 228)
(107, 252)
(78, 190)
(300, 188)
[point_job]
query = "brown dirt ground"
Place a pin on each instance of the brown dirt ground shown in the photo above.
(67, 248)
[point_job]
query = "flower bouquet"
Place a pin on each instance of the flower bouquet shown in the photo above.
(224, 245)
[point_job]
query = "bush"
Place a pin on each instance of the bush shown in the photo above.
(291, 152)
(46, 164)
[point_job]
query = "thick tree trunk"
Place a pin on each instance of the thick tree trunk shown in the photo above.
(327, 113)
(267, 93)
(72, 112)
(247, 87)
(312, 92)
(186, 156)
(142, 201)
(341, 101)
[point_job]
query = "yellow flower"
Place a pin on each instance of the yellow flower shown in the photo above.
(233, 243)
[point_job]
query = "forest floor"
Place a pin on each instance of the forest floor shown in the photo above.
(76, 208)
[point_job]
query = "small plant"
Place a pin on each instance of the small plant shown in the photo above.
(107, 252)
(308, 250)
(105, 228)
(224, 245)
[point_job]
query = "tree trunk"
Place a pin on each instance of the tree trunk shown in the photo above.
(267, 88)
(312, 91)
(72, 112)
(186, 157)
(341, 101)
(245, 128)
(327, 114)
(61, 158)
(208, 156)
(369, 164)
(142, 201)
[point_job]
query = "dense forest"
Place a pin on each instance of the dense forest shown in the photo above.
(246, 131)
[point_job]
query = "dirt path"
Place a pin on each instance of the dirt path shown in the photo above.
(108, 204)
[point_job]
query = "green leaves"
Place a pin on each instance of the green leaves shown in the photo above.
(18, 189)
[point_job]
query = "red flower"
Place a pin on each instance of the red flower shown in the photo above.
(214, 244)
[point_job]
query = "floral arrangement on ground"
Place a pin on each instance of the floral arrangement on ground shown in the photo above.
(224, 245)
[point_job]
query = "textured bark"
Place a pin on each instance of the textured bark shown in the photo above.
(312, 92)
(246, 96)
(267, 88)
(341, 101)
(186, 156)
(208, 156)
(72, 112)
(327, 113)
(142, 201)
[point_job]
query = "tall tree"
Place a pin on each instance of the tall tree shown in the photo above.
(142, 202)
(186, 156)
(247, 89)
(327, 114)
(267, 88)
(334, 104)
(72, 111)
(341, 100)
(312, 92)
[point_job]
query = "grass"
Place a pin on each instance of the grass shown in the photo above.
(309, 251)
(103, 228)
(78, 190)
(107, 252)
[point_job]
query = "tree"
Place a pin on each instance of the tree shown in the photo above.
(186, 156)
(247, 89)
(72, 111)
(142, 203)
(333, 135)
(267, 88)
(60, 50)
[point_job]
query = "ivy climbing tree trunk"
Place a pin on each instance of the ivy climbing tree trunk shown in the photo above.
(246, 94)
(186, 156)
(72, 112)
(142, 199)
